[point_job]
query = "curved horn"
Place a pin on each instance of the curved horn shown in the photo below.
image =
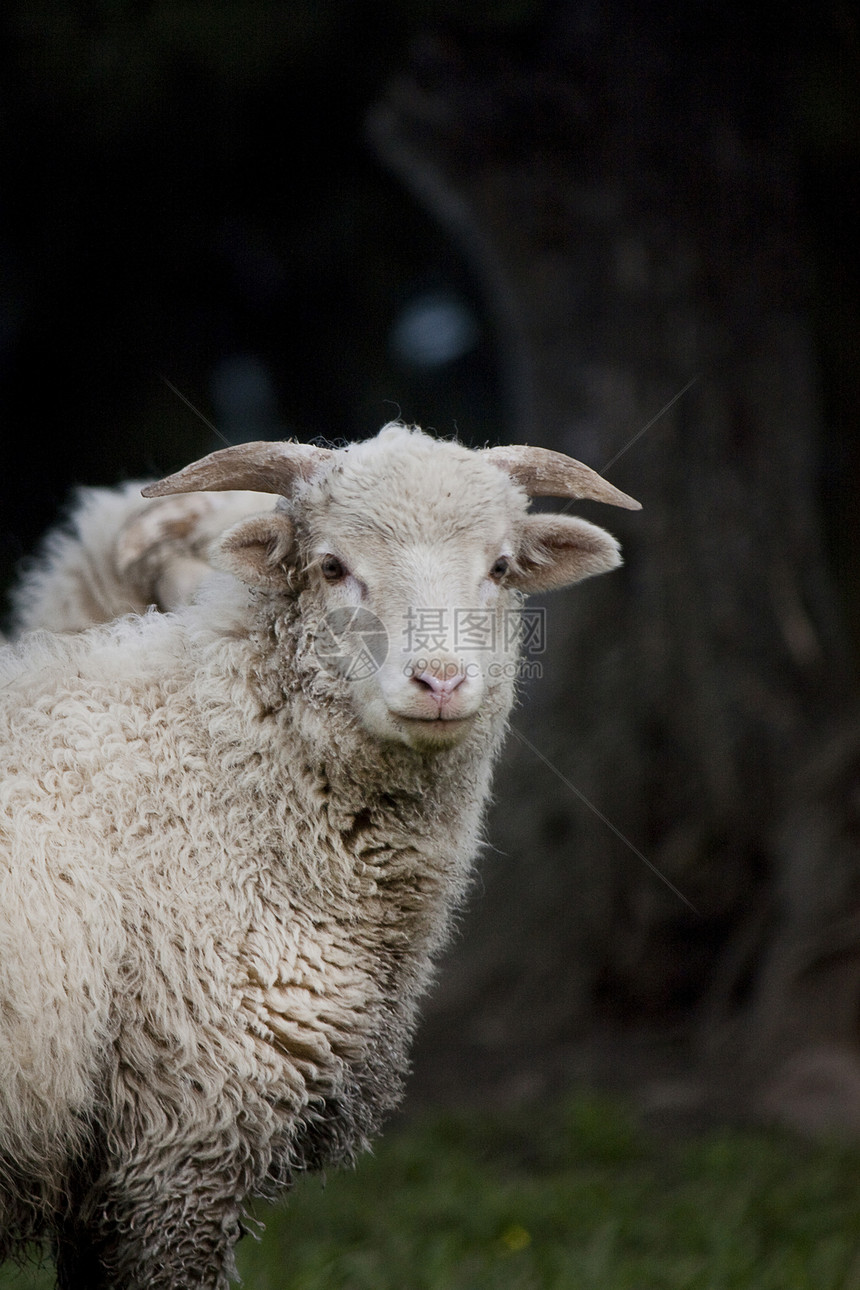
(262, 467)
(550, 474)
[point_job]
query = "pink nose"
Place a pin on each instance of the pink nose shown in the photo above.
(441, 687)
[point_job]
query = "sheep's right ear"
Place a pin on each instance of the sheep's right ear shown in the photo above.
(257, 551)
(558, 550)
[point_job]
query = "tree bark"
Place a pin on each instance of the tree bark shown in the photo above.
(664, 875)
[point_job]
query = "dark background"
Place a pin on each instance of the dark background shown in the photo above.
(189, 197)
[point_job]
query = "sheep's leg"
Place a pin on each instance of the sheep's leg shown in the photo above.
(164, 1217)
(151, 1224)
(178, 1242)
(191, 1257)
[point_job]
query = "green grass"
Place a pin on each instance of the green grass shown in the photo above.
(578, 1199)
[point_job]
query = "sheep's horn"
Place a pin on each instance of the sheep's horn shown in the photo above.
(550, 474)
(262, 467)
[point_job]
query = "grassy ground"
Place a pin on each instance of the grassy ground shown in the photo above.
(579, 1200)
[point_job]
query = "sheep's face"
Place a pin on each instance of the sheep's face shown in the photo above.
(420, 544)
(411, 557)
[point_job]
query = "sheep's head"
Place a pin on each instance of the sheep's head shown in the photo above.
(417, 551)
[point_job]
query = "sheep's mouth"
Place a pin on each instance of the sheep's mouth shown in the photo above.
(449, 720)
(439, 731)
(442, 720)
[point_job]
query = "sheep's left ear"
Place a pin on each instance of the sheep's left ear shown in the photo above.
(557, 550)
(257, 551)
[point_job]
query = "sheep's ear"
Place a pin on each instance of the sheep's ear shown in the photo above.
(257, 551)
(557, 550)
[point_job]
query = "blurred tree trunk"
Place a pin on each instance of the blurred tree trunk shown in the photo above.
(627, 196)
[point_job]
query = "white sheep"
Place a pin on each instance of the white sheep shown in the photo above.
(228, 856)
(118, 554)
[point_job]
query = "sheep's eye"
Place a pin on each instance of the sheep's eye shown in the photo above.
(500, 568)
(332, 568)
